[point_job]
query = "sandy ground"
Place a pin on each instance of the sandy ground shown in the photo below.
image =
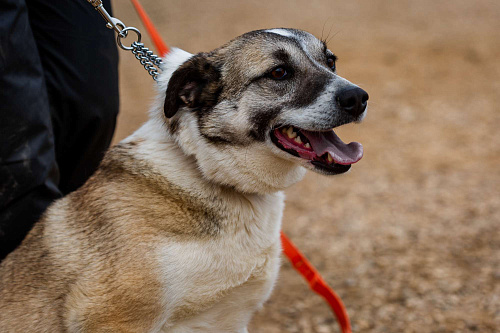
(410, 237)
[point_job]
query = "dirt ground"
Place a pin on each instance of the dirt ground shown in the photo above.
(410, 238)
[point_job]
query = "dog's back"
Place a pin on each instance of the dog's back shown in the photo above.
(26, 296)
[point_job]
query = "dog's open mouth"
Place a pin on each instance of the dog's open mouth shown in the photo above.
(324, 149)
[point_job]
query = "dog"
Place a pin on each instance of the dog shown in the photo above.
(178, 229)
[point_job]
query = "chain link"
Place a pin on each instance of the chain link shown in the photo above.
(147, 58)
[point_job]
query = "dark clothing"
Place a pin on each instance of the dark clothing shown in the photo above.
(58, 105)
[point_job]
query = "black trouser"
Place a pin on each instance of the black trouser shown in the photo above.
(58, 105)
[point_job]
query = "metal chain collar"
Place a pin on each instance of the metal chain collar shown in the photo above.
(147, 58)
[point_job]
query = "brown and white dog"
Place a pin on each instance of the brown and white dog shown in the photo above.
(178, 230)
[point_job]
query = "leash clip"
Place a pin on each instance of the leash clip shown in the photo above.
(150, 61)
(111, 22)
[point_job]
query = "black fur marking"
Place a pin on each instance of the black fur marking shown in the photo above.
(282, 56)
(313, 83)
(331, 169)
(207, 130)
(215, 139)
(309, 90)
(173, 126)
(261, 120)
(195, 84)
(325, 47)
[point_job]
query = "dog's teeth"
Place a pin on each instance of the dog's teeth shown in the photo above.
(298, 139)
(329, 157)
(283, 130)
(291, 133)
(307, 145)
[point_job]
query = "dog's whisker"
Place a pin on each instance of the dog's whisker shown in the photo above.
(323, 30)
(335, 34)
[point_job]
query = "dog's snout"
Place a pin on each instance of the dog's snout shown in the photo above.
(353, 100)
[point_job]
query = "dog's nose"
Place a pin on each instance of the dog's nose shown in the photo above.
(353, 100)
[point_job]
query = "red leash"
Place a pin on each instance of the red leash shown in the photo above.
(298, 260)
(316, 282)
(153, 33)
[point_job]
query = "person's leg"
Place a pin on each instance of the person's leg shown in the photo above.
(80, 62)
(69, 75)
(28, 170)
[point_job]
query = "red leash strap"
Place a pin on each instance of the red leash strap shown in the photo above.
(298, 260)
(153, 33)
(316, 282)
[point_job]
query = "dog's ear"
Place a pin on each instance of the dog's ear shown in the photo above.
(195, 84)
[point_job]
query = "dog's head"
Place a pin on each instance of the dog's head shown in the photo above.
(257, 111)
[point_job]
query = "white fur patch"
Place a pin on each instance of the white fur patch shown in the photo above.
(282, 32)
(197, 271)
(300, 40)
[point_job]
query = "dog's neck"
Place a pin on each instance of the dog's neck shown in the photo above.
(160, 150)
(257, 213)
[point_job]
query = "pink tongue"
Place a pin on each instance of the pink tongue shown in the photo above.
(341, 153)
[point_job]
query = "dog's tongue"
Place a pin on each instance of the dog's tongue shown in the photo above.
(341, 153)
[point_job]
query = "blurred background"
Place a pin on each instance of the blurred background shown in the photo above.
(410, 238)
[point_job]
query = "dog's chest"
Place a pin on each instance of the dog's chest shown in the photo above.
(232, 272)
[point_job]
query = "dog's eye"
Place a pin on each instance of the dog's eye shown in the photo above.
(279, 73)
(331, 63)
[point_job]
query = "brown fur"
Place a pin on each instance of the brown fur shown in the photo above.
(71, 266)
